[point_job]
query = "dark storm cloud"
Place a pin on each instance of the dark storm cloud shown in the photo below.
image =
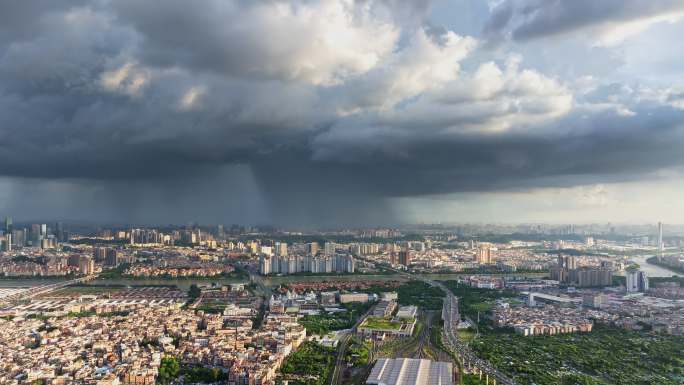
(608, 148)
(273, 39)
(530, 19)
(136, 108)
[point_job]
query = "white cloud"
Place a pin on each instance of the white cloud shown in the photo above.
(599, 23)
(128, 79)
(191, 97)
(316, 42)
(422, 65)
(615, 33)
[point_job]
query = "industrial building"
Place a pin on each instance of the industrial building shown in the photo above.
(409, 371)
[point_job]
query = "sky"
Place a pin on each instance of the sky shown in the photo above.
(342, 112)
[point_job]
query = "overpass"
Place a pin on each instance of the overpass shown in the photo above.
(470, 361)
(451, 318)
(43, 289)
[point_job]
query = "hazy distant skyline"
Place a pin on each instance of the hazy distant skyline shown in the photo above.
(310, 112)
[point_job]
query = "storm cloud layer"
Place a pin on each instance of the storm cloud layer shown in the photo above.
(326, 108)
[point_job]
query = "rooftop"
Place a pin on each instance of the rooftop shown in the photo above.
(409, 371)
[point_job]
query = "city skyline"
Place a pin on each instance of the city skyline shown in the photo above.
(341, 112)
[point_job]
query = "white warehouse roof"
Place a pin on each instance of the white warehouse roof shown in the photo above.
(409, 371)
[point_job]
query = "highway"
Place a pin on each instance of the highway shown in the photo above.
(336, 377)
(451, 318)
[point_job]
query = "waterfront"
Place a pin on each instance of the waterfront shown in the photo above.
(650, 269)
(182, 284)
(28, 282)
(275, 281)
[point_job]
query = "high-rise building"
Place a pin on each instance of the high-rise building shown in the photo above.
(591, 277)
(268, 250)
(60, 233)
(86, 265)
(593, 300)
(281, 249)
(405, 257)
(329, 249)
(19, 237)
(7, 244)
(99, 254)
(637, 281)
(661, 246)
(567, 272)
(312, 248)
(35, 234)
(265, 265)
(8, 225)
(306, 264)
(568, 262)
(589, 241)
(112, 257)
(74, 260)
(484, 255)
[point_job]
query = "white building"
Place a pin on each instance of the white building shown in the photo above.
(407, 312)
(637, 281)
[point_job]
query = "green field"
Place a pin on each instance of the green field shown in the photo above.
(604, 356)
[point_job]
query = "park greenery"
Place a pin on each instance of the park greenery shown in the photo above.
(91, 313)
(202, 375)
(415, 293)
(211, 308)
(194, 292)
(466, 335)
(324, 323)
(114, 273)
(473, 301)
(604, 356)
(311, 364)
(119, 272)
(673, 279)
(472, 379)
(358, 352)
(169, 369)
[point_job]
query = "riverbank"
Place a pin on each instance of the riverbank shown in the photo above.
(654, 261)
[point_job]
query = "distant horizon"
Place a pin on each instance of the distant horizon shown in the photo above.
(292, 228)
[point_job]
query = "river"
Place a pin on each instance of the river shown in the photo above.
(28, 282)
(184, 284)
(652, 270)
